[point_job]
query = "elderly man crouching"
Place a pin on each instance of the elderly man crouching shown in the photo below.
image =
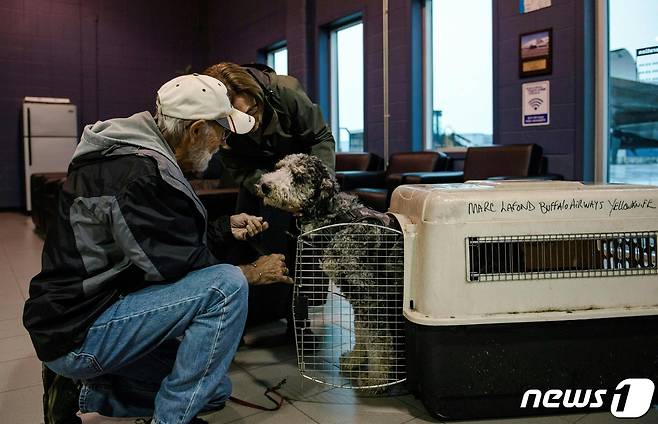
(130, 300)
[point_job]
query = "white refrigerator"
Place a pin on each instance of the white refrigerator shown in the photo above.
(50, 136)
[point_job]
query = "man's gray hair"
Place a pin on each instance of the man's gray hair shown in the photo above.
(172, 128)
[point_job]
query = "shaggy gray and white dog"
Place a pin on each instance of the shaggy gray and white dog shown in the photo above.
(361, 260)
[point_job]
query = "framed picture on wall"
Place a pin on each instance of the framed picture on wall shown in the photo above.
(536, 53)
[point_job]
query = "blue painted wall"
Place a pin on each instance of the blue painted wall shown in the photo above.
(567, 141)
(109, 57)
(237, 32)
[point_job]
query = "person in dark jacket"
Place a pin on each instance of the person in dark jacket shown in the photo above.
(287, 122)
(130, 300)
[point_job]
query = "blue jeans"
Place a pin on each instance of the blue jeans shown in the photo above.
(164, 350)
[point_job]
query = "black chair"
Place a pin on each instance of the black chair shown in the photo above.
(374, 188)
(358, 162)
(514, 161)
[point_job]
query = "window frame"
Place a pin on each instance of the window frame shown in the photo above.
(428, 79)
(601, 97)
(332, 38)
(428, 73)
(269, 52)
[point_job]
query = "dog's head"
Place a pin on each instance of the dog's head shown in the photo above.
(301, 184)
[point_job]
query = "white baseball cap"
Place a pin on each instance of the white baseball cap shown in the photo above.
(202, 97)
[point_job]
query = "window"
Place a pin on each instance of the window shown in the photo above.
(347, 87)
(459, 83)
(277, 59)
(632, 151)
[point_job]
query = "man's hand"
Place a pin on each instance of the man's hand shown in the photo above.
(244, 226)
(267, 270)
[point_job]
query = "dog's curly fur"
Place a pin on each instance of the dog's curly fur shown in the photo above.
(303, 185)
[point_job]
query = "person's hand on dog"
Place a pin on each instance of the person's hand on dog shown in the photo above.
(267, 270)
(244, 226)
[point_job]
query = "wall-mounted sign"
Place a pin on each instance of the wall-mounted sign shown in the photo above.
(536, 53)
(526, 6)
(647, 64)
(536, 106)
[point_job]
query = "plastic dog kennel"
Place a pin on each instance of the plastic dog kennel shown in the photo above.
(507, 287)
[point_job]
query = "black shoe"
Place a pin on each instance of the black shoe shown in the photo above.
(60, 398)
(213, 409)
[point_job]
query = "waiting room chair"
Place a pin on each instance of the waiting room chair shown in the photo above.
(358, 162)
(512, 161)
(374, 188)
(45, 194)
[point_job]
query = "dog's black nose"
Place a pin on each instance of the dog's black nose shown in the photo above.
(265, 188)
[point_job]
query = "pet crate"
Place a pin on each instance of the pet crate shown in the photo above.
(347, 306)
(511, 286)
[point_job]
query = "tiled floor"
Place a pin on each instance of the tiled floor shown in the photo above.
(255, 365)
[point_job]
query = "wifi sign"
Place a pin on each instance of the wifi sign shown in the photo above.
(535, 103)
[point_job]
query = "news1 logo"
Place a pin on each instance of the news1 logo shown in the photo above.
(630, 399)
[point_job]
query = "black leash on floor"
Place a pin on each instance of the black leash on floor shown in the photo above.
(260, 249)
(278, 403)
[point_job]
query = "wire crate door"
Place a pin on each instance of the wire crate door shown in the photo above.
(348, 306)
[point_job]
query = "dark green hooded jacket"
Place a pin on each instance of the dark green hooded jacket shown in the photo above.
(291, 123)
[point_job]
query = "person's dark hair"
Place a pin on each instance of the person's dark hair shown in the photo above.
(237, 81)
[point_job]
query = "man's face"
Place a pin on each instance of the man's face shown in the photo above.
(200, 143)
(248, 105)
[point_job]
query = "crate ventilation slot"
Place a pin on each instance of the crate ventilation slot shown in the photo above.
(555, 256)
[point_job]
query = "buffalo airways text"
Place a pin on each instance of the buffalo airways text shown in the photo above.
(556, 206)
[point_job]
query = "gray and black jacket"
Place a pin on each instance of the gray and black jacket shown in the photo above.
(126, 218)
